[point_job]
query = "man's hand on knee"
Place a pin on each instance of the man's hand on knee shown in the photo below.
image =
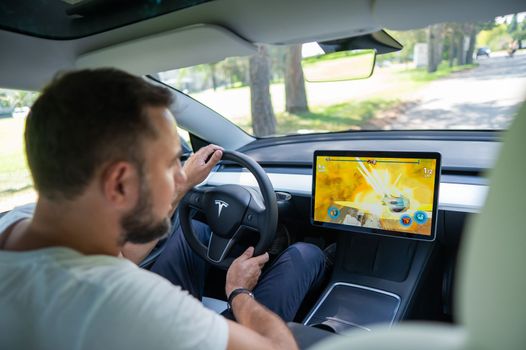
(245, 271)
(264, 329)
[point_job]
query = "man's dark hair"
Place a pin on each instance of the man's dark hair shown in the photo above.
(84, 119)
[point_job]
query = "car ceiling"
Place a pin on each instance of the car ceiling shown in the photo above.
(72, 19)
(29, 62)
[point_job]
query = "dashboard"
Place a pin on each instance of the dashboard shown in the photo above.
(411, 278)
(466, 158)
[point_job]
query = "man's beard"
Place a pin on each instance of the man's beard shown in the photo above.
(139, 226)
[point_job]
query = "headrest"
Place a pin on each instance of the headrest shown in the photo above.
(492, 276)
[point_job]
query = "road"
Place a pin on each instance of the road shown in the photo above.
(486, 97)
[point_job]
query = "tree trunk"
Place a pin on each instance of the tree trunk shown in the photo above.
(213, 76)
(263, 118)
(295, 94)
(461, 54)
(471, 48)
(434, 47)
(452, 29)
(452, 45)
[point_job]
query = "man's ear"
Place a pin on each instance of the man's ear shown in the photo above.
(121, 184)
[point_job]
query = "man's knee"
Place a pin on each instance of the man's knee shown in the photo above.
(202, 231)
(309, 254)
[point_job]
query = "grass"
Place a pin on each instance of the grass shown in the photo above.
(341, 116)
(350, 115)
(421, 75)
(358, 66)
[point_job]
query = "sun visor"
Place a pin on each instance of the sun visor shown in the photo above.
(184, 47)
(421, 13)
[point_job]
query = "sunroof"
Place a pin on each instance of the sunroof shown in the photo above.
(71, 19)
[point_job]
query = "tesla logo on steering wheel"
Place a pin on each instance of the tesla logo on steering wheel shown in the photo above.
(220, 205)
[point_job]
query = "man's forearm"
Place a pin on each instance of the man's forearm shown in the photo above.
(255, 316)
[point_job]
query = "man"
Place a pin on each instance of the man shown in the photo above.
(281, 288)
(104, 154)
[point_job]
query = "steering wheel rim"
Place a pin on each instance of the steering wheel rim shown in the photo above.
(231, 211)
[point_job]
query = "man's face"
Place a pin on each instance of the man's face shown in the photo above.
(161, 179)
(140, 225)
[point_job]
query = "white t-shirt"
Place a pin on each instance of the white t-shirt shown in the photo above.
(15, 215)
(57, 298)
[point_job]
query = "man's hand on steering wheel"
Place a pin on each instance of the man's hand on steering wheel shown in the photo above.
(199, 165)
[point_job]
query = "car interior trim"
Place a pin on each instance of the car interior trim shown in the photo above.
(223, 253)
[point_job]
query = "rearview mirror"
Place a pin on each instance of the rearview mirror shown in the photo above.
(336, 66)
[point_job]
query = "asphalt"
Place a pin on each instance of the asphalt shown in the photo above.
(485, 97)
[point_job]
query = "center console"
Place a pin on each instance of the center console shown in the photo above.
(346, 306)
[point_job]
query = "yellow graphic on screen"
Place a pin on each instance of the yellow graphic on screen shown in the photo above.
(394, 194)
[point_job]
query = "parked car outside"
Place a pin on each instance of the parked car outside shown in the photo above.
(483, 51)
(20, 112)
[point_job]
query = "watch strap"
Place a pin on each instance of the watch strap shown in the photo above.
(235, 293)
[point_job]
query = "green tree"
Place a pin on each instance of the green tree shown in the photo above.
(213, 75)
(496, 38)
(5, 100)
(25, 98)
(514, 25)
(408, 38)
(460, 42)
(235, 71)
(517, 31)
(17, 98)
(435, 44)
(278, 62)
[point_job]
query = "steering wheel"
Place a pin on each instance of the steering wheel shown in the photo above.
(231, 211)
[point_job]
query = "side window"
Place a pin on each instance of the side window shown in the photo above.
(184, 137)
(16, 185)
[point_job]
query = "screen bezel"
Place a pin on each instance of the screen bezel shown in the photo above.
(379, 154)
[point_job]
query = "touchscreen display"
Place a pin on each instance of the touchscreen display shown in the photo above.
(378, 192)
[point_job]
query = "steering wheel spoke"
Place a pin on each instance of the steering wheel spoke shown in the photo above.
(194, 198)
(219, 247)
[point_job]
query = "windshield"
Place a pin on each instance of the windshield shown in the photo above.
(448, 76)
